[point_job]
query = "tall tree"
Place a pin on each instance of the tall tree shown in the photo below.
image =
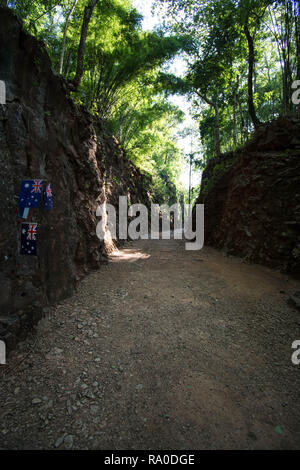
(297, 34)
(251, 59)
(63, 46)
(88, 12)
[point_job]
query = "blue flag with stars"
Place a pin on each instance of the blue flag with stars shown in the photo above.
(30, 193)
(28, 238)
(48, 197)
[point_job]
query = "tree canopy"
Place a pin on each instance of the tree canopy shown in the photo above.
(242, 56)
(112, 67)
(245, 60)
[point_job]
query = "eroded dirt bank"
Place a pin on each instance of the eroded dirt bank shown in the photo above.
(160, 349)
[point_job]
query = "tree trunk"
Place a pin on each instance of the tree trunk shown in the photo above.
(297, 34)
(63, 47)
(285, 85)
(190, 178)
(251, 107)
(235, 93)
(234, 120)
(217, 131)
(287, 75)
(88, 11)
(217, 121)
(242, 120)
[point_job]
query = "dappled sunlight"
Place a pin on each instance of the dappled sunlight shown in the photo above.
(129, 255)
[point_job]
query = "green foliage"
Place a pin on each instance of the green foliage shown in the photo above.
(218, 73)
(124, 83)
(144, 125)
(219, 170)
(121, 82)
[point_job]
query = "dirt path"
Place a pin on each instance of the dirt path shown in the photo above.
(161, 349)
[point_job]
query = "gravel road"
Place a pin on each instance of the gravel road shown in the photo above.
(161, 349)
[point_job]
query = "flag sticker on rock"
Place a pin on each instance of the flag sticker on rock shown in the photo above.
(30, 193)
(48, 197)
(28, 238)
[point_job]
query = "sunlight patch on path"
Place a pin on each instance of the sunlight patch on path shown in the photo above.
(128, 254)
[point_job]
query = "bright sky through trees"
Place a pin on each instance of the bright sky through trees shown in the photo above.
(151, 20)
(233, 62)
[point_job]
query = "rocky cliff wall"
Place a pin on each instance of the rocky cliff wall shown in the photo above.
(44, 135)
(252, 198)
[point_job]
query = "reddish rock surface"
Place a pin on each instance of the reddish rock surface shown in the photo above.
(252, 198)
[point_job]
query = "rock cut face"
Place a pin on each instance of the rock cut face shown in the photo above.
(44, 135)
(252, 198)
